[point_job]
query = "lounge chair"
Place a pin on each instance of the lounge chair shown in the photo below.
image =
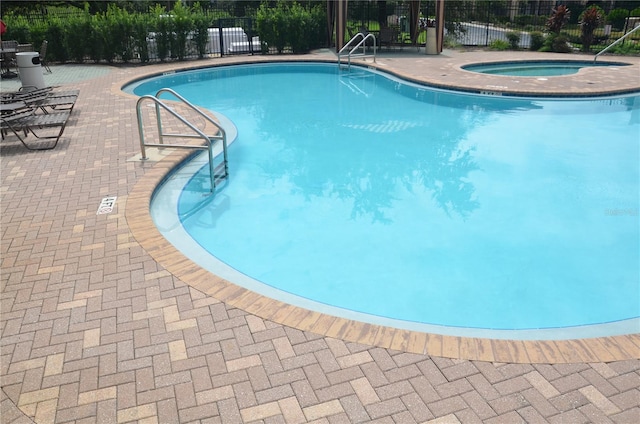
(24, 120)
(27, 91)
(45, 99)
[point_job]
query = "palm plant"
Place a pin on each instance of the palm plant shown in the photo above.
(559, 18)
(590, 20)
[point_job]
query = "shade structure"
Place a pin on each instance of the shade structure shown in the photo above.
(440, 24)
(337, 21)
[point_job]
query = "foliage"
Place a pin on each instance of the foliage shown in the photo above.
(55, 34)
(139, 29)
(617, 18)
(96, 42)
(537, 41)
(271, 23)
(289, 24)
(126, 30)
(182, 24)
(514, 40)
(120, 22)
(305, 28)
(163, 25)
(525, 20)
(201, 23)
(558, 43)
(456, 15)
(78, 33)
(18, 28)
(590, 19)
(500, 45)
(626, 48)
(559, 17)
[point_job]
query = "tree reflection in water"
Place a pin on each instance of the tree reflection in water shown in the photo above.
(418, 148)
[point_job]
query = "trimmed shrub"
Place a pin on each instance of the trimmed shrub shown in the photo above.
(79, 30)
(290, 25)
(618, 18)
(499, 45)
(201, 23)
(537, 41)
(514, 40)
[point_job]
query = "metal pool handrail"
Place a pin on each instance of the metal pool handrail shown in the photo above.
(357, 46)
(210, 140)
(615, 42)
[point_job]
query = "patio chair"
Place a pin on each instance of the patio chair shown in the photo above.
(24, 120)
(388, 37)
(24, 48)
(9, 50)
(43, 56)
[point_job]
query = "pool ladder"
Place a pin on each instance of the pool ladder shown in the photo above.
(217, 173)
(359, 41)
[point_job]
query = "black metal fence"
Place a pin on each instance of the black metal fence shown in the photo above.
(481, 22)
(468, 22)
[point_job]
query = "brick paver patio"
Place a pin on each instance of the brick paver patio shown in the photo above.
(95, 330)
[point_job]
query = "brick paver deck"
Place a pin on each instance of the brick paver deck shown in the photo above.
(96, 329)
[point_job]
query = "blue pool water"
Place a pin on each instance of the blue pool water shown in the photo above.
(368, 197)
(546, 68)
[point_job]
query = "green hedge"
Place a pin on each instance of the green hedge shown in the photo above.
(290, 25)
(119, 35)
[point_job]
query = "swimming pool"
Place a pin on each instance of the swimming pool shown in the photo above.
(487, 218)
(545, 68)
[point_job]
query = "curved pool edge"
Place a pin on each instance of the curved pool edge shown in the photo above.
(170, 226)
(505, 65)
(137, 214)
(446, 71)
(143, 229)
(443, 72)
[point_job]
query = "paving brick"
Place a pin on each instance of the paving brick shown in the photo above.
(95, 330)
(402, 373)
(244, 395)
(512, 385)
(336, 391)
(625, 382)
(229, 411)
(628, 416)
(394, 390)
(510, 417)
(572, 416)
(568, 401)
(305, 393)
(508, 403)
(530, 415)
(455, 388)
(274, 394)
(354, 409)
(626, 400)
(594, 415)
(480, 406)
(447, 406)
(418, 409)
